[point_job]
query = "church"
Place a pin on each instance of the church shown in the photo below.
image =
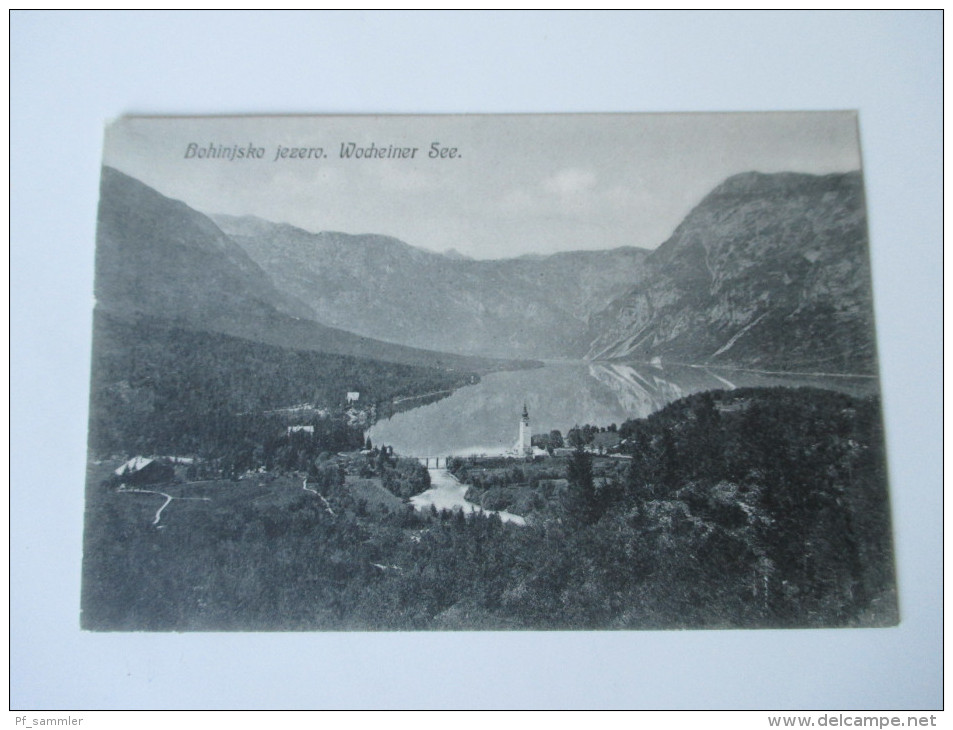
(524, 446)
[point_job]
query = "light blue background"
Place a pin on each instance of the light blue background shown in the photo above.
(70, 72)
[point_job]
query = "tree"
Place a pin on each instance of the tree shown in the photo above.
(704, 441)
(576, 437)
(669, 465)
(582, 501)
(382, 461)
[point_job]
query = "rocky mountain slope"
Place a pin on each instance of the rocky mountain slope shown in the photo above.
(383, 288)
(768, 271)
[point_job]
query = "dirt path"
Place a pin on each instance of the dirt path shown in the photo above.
(327, 505)
(168, 499)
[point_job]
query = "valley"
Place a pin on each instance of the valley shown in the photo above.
(699, 447)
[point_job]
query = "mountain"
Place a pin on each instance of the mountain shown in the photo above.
(158, 388)
(158, 258)
(768, 271)
(381, 287)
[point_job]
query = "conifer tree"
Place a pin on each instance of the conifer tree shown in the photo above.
(582, 503)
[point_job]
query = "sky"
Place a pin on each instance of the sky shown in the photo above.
(506, 185)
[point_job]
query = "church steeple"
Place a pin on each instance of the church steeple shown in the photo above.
(525, 444)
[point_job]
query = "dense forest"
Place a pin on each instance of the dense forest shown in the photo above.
(159, 389)
(748, 508)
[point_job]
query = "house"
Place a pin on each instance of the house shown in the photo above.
(143, 470)
(301, 429)
(353, 396)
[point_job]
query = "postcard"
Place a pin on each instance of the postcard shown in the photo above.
(475, 372)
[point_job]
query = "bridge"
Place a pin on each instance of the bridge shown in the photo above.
(434, 462)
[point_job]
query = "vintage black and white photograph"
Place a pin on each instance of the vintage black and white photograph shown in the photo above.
(476, 372)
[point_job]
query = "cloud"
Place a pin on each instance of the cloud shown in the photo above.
(571, 181)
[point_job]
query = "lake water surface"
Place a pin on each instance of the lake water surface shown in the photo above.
(484, 418)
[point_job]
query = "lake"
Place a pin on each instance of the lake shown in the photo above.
(484, 418)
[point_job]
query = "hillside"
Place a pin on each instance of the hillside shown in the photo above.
(157, 257)
(162, 389)
(381, 287)
(768, 271)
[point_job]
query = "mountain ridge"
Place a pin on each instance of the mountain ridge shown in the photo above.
(767, 270)
(381, 287)
(158, 257)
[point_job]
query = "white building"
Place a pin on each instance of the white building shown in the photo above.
(525, 444)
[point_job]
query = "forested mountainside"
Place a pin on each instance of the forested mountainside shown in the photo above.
(159, 389)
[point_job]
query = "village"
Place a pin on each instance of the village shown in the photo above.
(518, 484)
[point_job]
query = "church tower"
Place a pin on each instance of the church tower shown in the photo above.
(525, 444)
